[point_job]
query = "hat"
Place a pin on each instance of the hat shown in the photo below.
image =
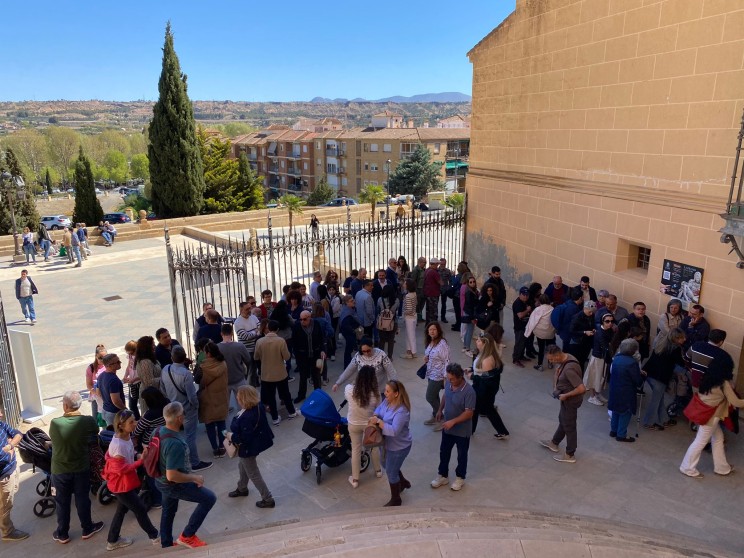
(434, 261)
(591, 305)
(603, 292)
(524, 290)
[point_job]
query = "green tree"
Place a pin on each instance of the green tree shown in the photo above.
(31, 148)
(372, 195)
(416, 175)
(116, 165)
(140, 166)
(323, 193)
(176, 170)
(53, 175)
(24, 205)
(63, 143)
(48, 182)
(293, 205)
(455, 201)
(251, 183)
(87, 207)
(222, 192)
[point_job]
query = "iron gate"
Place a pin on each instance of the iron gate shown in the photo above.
(226, 273)
(8, 390)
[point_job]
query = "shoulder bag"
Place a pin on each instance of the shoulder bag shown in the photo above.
(372, 437)
(698, 412)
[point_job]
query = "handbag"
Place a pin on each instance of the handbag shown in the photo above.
(698, 412)
(230, 448)
(372, 436)
(421, 372)
(359, 333)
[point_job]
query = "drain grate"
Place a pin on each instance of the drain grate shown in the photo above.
(110, 298)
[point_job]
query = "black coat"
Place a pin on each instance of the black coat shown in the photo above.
(601, 343)
(625, 379)
(660, 367)
(300, 341)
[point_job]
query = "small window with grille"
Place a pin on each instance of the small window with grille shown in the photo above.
(644, 257)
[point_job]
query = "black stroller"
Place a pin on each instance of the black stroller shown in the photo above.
(35, 449)
(331, 444)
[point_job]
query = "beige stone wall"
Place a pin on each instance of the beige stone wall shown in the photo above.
(601, 124)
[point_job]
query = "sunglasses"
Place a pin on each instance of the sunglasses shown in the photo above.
(608, 321)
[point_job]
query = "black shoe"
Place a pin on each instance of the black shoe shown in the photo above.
(268, 503)
(298, 400)
(60, 538)
(626, 439)
(96, 527)
(455, 327)
(613, 434)
(237, 493)
(202, 465)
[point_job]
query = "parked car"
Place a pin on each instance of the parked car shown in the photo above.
(150, 217)
(55, 222)
(99, 191)
(116, 218)
(338, 202)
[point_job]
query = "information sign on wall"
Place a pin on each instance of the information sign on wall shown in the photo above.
(682, 281)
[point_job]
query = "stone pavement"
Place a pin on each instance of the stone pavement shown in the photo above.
(637, 484)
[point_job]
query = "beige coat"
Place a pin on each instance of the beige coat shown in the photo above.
(213, 394)
(272, 351)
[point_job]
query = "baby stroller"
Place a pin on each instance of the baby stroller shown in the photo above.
(331, 444)
(35, 450)
(102, 492)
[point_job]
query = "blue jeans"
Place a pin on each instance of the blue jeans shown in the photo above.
(468, 324)
(27, 307)
(67, 485)
(108, 416)
(76, 253)
(619, 423)
(46, 245)
(445, 452)
(350, 345)
(655, 413)
(189, 430)
(107, 237)
(29, 250)
(189, 492)
(393, 462)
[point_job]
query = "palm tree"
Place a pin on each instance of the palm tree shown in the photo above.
(455, 201)
(372, 195)
(293, 205)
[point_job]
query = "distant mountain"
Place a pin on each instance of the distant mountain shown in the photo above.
(449, 97)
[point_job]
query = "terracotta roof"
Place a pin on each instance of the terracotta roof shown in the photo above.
(387, 113)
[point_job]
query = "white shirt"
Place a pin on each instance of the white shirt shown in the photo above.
(356, 414)
(122, 448)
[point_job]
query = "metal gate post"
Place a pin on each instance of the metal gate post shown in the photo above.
(172, 278)
(271, 258)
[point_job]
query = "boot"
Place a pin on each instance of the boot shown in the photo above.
(394, 495)
(404, 483)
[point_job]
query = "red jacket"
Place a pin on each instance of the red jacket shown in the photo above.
(120, 476)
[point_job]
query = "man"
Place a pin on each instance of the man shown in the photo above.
(349, 280)
(237, 358)
(602, 295)
(390, 274)
(457, 406)
(562, 316)
(9, 481)
(612, 308)
(202, 320)
(111, 230)
(307, 300)
(71, 435)
(267, 304)
(308, 343)
(709, 355)
(25, 290)
(557, 292)
(247, 328)
(45, 241)
(164, 346)
(177, 384)
(75, 244)
(568, 388)
(639, 319)
(378, 284)
(111, 388)
(177, 482)
(432, 289)
(582, 333)
(67, 243)
(317, 280)
(494, 278)
(365, 307)
(272, 353)
(695, 326)
(358, 281)
(445, 274)
(107, 239)
(81, 237)
(211, 329)
(417, 274)
(588, 292)
(521, 311)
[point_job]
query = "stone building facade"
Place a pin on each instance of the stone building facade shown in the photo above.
(602, 144)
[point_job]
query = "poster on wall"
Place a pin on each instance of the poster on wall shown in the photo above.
(682, 281)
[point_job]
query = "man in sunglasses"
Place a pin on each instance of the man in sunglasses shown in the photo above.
(111, 388)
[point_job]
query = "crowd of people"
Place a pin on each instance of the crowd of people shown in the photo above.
(162, 396)
(75, 245)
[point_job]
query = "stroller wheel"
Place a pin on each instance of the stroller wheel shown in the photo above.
(104, 495)
(306, 461)
(318, 474)
(672, 409)
(365, 460)
(45, 507)
(43, 487)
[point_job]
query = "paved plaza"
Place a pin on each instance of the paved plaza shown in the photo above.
(637, 484)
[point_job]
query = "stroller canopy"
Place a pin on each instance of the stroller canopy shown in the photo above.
(320, 409)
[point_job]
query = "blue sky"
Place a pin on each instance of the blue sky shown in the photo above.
(245, 50)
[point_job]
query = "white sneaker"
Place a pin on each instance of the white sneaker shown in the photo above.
(594, 401)
(28, 320)
(121, 543)
(440, 481)
(458, 484)
(277, 421)
(293, 415)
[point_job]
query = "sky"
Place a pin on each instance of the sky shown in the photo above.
(243, 50)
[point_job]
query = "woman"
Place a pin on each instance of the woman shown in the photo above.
(436, 358)
(460, 279)
(363, 397)
(91, 380)
(131, 378)
(331, 279)
(45, 242)
(151, 419)
(320, 315)
(659, 370)
(487, 308)
(595, 375)
(540, 325)
(368, 355)
(214, 397)
(294, 299)
(625, 379)
(147, 366)
(409, 318)
(122, 480)
(669, 320)
(388, 301)
(393, 416)
(314, 225)
(348, 324)
(335, 303)
(486, 377)
(469, 300)
(403, 272)
(28, 244)
(244, 427)
(715, 391)
(496, 331)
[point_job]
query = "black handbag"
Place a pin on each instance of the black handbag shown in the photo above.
(421, 372)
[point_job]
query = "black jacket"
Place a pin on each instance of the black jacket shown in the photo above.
(300, 345)
(34, 290)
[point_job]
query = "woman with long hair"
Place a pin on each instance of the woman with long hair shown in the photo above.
(28, 244)
(541, 327)
(486, 377)
(214, 397)
(669, 320)
(410, 303)
(436, 358)
(131, 378)
(321, 315)
(388, 301)
(496, 330)
(368, 355)
(403, 272)
(488, 307)
(363, 397)
(151, 419)
(393, 416)
(331, 279)
(91, 380)
(469, 300)
(659, 370)
(147, 366)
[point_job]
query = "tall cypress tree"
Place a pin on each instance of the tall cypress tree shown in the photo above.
(251, 183)
(24, 204)
(48, 183)
(176, 170)
(87, 207)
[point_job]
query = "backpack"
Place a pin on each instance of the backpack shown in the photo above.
(151, 461)
(386, 319)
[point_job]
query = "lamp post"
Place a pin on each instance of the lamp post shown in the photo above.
(9, 184)
(387, 186)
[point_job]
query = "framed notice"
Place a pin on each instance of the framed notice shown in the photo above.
(682, 281)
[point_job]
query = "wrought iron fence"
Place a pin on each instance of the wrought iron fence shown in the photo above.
(248, 262)
(8, 388)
